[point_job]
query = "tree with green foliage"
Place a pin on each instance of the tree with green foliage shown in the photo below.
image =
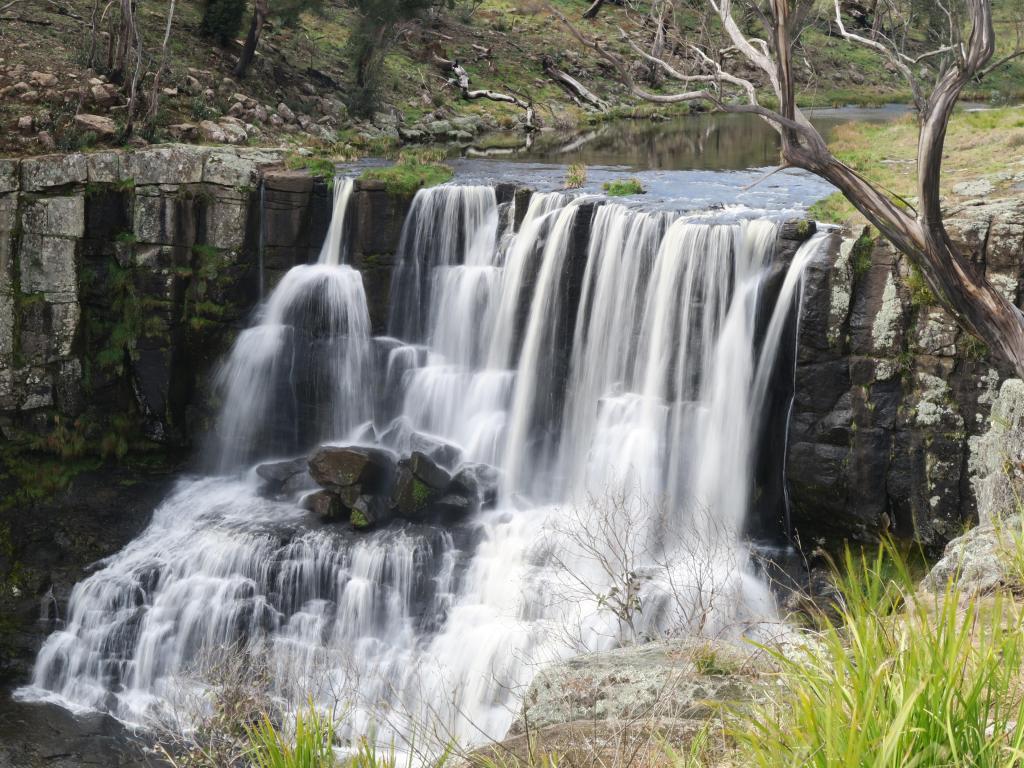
(222, 19)
(286, 12)
(379, 23)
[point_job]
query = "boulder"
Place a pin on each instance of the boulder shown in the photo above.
(336, 467)
(103, 127)
(437, 450)
(234, 132)
(26, 124)
(211, 131)
(477, 481)
(369, 511)
(980, 561)
(325, 504)
(42, 79)
(284, 477)
(285, 113)
(427, 470)
(411, 496)
(183, 130)
(104, 95)
(997, 457)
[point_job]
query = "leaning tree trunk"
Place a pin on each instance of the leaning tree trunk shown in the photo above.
(260, 11)
(958, 283)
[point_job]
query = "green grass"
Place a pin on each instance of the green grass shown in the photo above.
(903, 679)
(623, 187)
(414, 170)
(311, 745)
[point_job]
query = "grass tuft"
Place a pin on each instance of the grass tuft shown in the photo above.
(623, 187)
(902, 679)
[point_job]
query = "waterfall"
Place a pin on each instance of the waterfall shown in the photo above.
(606, 360)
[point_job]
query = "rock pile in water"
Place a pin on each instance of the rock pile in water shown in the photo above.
(371, 486)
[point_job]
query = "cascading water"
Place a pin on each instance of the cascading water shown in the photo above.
(615, 382)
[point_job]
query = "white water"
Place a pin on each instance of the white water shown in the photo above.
(617, 385)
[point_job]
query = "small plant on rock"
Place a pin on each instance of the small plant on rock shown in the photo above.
(576, 176)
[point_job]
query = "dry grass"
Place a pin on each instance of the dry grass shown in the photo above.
(979, 145)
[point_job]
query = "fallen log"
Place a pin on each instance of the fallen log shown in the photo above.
(573, 87)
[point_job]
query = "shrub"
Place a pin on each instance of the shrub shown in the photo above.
(622, 187)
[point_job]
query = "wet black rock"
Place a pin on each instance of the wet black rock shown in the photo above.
(284, 477)
(477, 481)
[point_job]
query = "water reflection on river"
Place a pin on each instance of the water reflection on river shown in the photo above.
(721, 142)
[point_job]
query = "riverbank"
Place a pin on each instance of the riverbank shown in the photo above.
(983, 159)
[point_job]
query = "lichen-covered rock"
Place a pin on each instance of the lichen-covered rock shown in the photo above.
(678, 680)
(47, 264)
(59, 216)
(40, 173)
(980, 561)
(9, 174)
(888, 391)
(173, 164)
(997, 456)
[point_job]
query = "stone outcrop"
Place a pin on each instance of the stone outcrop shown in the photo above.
(125, 276)
(889, 390)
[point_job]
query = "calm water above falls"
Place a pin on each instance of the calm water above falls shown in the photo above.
(630, 368)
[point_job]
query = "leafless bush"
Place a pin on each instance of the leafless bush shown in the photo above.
(657, 571)
(204, 723)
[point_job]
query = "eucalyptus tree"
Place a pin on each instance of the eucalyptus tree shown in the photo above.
(938, 63)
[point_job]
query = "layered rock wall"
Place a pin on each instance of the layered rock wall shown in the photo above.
(890, 390)
(124, 277)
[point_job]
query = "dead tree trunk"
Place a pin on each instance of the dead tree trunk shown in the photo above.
(572, 86)
(593, 10)
(460, 78)
(154, 98)
(261, 10)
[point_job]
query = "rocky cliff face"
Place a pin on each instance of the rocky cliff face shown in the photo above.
(889, 390)
(125, 276)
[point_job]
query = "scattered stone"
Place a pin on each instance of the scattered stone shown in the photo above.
(211, 131)
(26, 124)
(46, 139)
(183, 130)
(42, 79)
(30, 97)
(285, 112)
(103, 127)
(103, 95)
